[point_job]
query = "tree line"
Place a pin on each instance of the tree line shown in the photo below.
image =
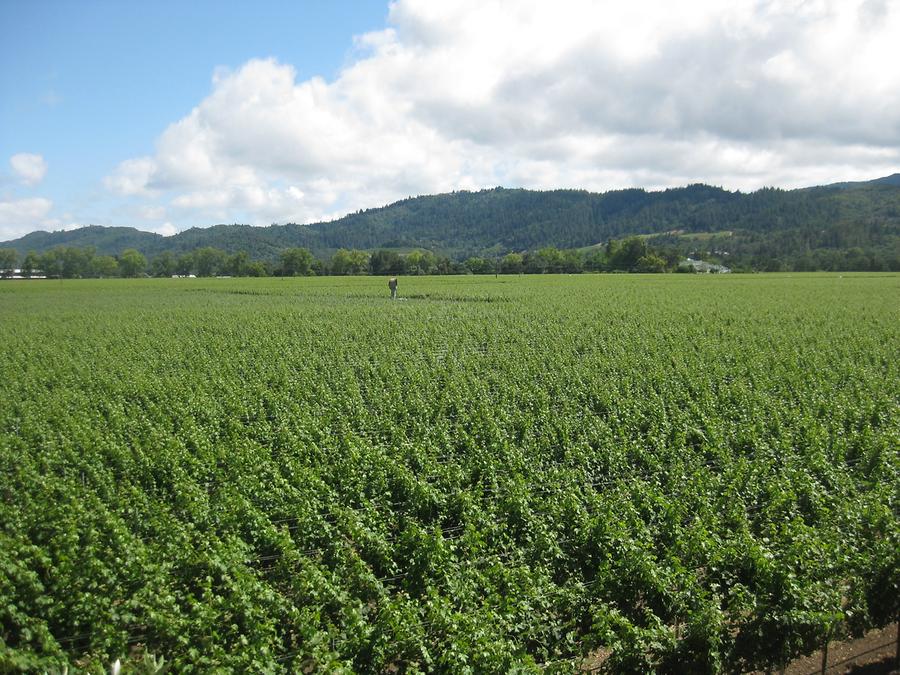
(632, 254)
(629, 255)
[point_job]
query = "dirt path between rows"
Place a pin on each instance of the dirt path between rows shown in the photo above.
(872, 654)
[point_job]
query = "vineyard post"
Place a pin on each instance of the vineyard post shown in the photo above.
(825, 652)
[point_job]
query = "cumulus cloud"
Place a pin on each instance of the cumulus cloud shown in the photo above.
(132, 177)
(19, 217)
(29, 168)
(576, 93)
(167, 229)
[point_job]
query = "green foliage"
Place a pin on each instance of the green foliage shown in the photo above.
(512, 263)
(8, 258)
(32, 262)
(650, 263)
(132, 263)
(104, 266)
(163, 265)
(384, 262)
(672, 474)
(296, 262)
(209, 261)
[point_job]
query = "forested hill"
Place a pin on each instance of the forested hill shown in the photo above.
(769, 222)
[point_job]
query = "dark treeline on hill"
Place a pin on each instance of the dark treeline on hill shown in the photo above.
(848, 226)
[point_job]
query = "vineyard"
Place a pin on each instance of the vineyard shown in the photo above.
(669, 473)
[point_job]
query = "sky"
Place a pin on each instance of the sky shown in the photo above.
(167, 115)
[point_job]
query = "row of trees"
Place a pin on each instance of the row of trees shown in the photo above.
(630, 255)
(72, 262)
(634, 254)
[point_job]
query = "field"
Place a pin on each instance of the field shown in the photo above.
(679, 473)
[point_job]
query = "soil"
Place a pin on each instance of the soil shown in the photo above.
(872, 654)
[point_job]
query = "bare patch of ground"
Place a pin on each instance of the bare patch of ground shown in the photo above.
(872, 654)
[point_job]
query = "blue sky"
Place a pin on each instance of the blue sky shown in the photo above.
(88, 83)
(167, 115)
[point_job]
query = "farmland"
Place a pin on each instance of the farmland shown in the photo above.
(681, 473)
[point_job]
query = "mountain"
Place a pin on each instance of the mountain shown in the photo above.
(107, 240)
(893, 179)
(768, 223)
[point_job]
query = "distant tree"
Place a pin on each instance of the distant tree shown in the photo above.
(596, 261)
(76, 262)
(359, 261)
(625, 255)
(132, 263)
(347, 261)
(163, 265)
(209, 261)
(414, 261)
(386, 262)
(237, 264)
(511, 263)
(650, 263)
(256, 268)
(572, 262)
(296, 262)
(184, 266)
(480, 265)
(8, 258)
(340, 262)
(51, 262)
(547, 259)
(32, 262)
(104, 266)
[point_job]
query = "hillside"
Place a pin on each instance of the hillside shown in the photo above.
(766, 223)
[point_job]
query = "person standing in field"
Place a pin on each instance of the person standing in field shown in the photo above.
(392, 284)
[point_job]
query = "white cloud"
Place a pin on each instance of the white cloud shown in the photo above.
(132, 177)
(30, 168)
(167, 229)
(19, 217)
(152, 212)
(576, 93)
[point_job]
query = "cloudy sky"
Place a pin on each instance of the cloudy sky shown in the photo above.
(165, 115)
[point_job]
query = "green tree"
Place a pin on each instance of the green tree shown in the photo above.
(184, 266)
(76, 262)
(209, 261)
(650, 263)
(256, 268)
(572, 261)
(596, 261)
(32, 262)
(626, 257)
(104, 266)
(414, 262)
(132, 263)
(51, 262)
(547, 259)
(359, 262)
(386, 262)
(237, 264)
(511, 263)
(8, 258)
(296, 262)
(480, 265)
(163, 265)
(341, 262)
